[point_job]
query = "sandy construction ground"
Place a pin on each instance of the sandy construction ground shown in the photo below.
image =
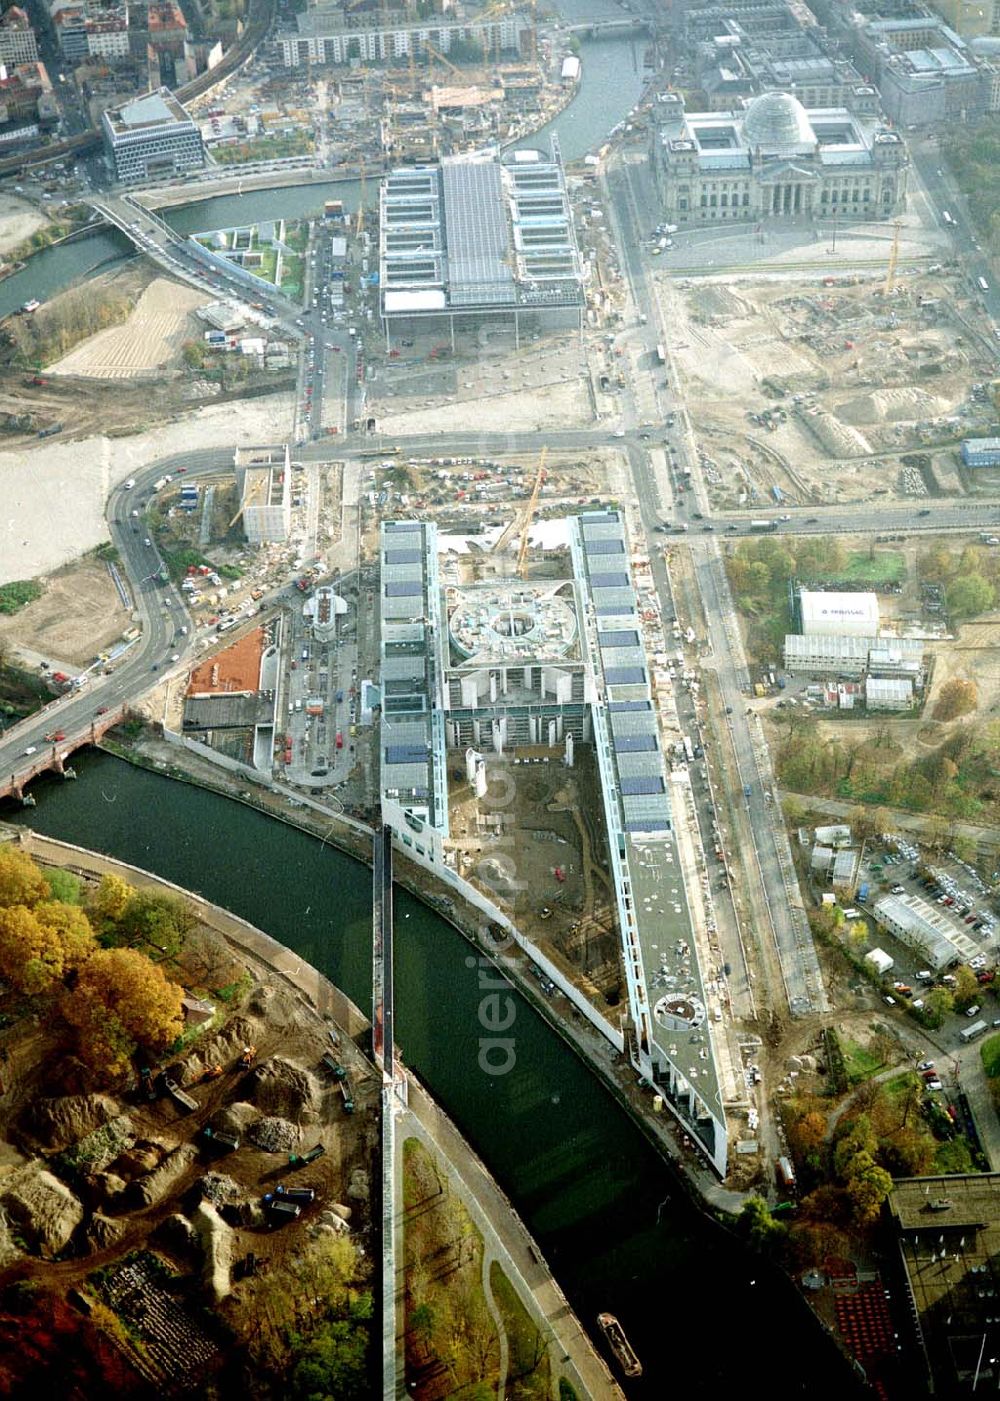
(147, 342)
(18, 221)
(78, 615)
(54, 495)
(560, 405)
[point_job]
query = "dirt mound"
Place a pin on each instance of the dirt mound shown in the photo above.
(217, 1242)
(144, 1156)
(148, 1190)
(286, 1091)
(44, 1209)
(59, 1122)
(275, 1135)
(892, 406)
(235, 1118)
(278, 1008)
(103, 1231)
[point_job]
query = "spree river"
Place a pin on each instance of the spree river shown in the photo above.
(616, 1230)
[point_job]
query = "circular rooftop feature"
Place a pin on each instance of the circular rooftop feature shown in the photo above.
(678, 1011)
(497, 623)
(775, 121)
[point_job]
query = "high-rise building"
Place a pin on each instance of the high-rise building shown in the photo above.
(150, 137)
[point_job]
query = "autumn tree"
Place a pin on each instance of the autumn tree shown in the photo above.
(121, 1001)
(867, 1188)
(110, 899)
(21, 882)
(957, 697)
(38, 947)
(965, 990)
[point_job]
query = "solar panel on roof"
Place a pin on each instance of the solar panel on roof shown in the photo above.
(402, 527)
(475, 233)
(406, 754)
(635, 744)
(625, 675)
(408, 589)
(634, 787)
(614, 610)
(623, 638)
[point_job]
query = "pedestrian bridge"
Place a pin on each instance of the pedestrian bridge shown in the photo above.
(609, 28)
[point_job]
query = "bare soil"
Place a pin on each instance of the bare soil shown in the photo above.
(78, 615)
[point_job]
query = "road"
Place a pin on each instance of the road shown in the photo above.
(778, 884)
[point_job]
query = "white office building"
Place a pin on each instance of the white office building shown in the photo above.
(151, 137)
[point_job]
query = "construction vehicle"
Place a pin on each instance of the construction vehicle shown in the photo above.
(297, 1160)
(220, 1139)
(212, 1072)
(247, 1057)
(331, 1064)
(146, 1082)
(303, 1195)
(281, 1211)
(347, 1095)
(180, 1098)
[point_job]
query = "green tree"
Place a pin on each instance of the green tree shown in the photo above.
(857, 1138)
(938, 1004)
(330, 1365)
(21, 882)
(64, 886)
(966, 990)
(970, 595)
(162, 921)
(759, 1226)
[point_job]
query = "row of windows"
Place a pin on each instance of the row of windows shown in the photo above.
(709, 201)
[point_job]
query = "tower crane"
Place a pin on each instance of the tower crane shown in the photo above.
(529, 514)
(524, 519)
(435, 53)
(249, 497)
(890, 274)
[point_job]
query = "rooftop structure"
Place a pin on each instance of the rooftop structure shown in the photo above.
(512, 623)
(924, 928)
(323, 608)
(854, 656)
(888, 693)
(775, 157)
(412, 736)
(474, 238)
(838, 614)
(948, 1233)
(150, 137)
(981, 452)
(924, 70)
(264, 487)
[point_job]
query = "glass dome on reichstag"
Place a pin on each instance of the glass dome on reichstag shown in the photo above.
(775, 121)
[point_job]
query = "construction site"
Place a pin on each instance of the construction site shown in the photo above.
(823, 390)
